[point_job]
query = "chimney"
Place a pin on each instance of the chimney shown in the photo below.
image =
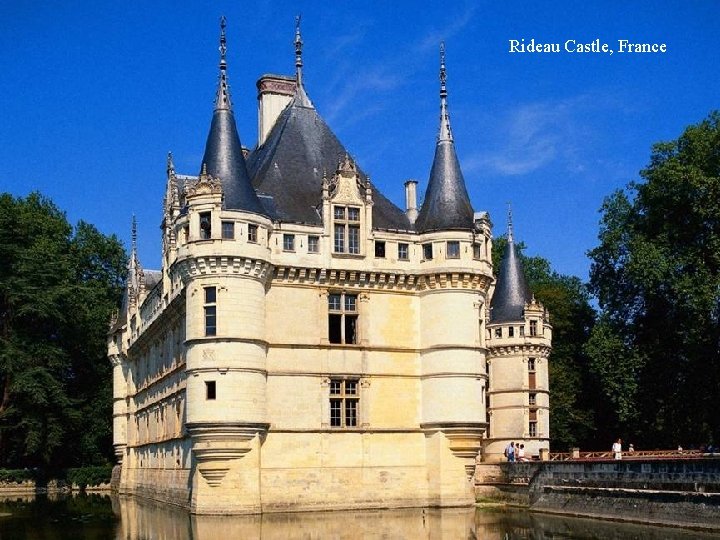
(274, 93)
(411, 200)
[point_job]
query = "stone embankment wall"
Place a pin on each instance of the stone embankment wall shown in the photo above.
(30, 487)
(675, 491)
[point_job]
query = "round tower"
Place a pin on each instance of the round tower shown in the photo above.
(519, 338)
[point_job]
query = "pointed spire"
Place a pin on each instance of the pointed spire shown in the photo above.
(511, 289)
(301, 99)
(170, 165)
(222, 96)
(223, 158)
(447, 204)
(445, 134)
(298, 51)
(134, 236)
(509, 225)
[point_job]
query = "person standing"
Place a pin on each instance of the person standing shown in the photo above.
(510, 451)
(617, 449)
(521, 453)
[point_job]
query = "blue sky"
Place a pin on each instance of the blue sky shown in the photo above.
(94, 94)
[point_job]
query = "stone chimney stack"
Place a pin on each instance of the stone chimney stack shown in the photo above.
(274, 93)
(411, 210)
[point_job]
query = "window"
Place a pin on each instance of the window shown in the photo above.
(379, 249)
(532, 398)
(288, 242)
(531, 364)
(344, 401)
(427, 252)
(522, 331)
(477, 251)
(252, 233)
(313, 244)
(533, 328)
(210, 311)
(498, 332)
(453, 250)
(205, 225)
(210, 390)
(511, 331)
(532, 429)
(347, 229)
(228, 230)
(403, 252)
(342, 318)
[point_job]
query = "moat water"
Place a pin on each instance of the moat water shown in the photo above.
(101, 517)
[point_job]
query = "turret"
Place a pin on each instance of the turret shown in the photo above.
(519, 338)
(223, 156)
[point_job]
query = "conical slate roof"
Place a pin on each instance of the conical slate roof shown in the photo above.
(447, 204)
(287, 169)
(511, 290)
(223, 156)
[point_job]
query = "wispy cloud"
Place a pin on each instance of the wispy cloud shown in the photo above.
(534, 135)
(432, 40)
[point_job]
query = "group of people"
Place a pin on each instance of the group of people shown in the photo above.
(515, 452)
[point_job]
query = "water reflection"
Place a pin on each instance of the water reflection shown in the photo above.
(126, 518)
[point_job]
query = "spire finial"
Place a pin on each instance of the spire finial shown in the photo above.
(170, 164)
(445, 132)
(509, 223)
(298, 51)
(134, 234)
(222, 99)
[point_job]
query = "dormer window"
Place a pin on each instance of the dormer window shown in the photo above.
(347, 229)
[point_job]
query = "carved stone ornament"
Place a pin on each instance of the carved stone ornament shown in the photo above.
(206, 184)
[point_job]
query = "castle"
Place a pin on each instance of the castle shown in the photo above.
(309, 345)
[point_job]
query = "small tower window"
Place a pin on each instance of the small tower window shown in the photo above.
(210, 311)
(511, 331)
(427, 251)
(380, 249)
(205, 225)
(532, 429)
(228, 230)
(453, 250)
(288, 242)
(531, 365)
(533, 328)
(532, 398)
(210, 390)
(477, 251)
(313, 244)
(403, 252)
(252, 233)
(498, 332)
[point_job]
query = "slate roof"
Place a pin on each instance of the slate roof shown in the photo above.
(287, 169)
(446, 205)
(511, 290)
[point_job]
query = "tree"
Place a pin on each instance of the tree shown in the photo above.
(567, 299)
(656, 274)
(58, 287)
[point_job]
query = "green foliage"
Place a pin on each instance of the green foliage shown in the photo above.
(18, 476)
(656, 274)
(572, 405)
(89, 476)
(58, 287)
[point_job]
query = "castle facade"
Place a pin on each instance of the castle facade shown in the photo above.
(309, 345)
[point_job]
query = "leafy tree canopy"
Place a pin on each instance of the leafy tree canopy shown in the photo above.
(656, 274)
(58, 287)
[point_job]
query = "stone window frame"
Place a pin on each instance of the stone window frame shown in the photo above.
(452, 249)
(252, 234)
(403, 251)
(313, 243)
(210, 310)
(380, 249)
(344, 308)
(288, 242)
(346, 229)
(227, 229)
(205, 225)
(344, 402)
(427, 250)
